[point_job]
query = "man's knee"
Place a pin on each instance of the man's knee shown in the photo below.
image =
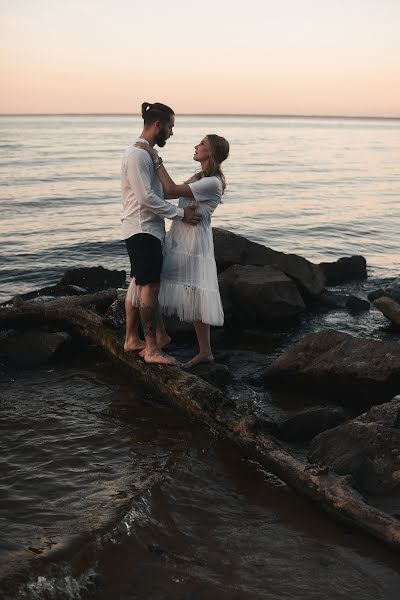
(149, 293)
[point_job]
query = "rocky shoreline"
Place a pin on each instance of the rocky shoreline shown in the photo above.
(323, 413)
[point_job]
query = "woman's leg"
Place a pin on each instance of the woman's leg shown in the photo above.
(205, 354)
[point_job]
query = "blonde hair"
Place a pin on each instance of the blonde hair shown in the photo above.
(219, 153)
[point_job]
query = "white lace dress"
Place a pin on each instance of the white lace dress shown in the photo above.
(189, 283)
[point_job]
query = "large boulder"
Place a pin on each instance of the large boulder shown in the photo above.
(261, 293)
(345, 269)
(357, 370)
(233, 249)
(368, 448)
(93, 279)
(389, 308)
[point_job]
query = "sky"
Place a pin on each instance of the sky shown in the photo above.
(300, 57)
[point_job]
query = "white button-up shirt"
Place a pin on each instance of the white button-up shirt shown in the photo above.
(144, 207)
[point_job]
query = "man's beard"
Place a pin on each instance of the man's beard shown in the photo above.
(161, 139)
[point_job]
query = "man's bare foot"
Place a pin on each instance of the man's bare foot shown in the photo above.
(159, 357)
(200, 358)
(163, 341)
(133, 344)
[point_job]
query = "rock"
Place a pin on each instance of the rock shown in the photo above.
(389, 308)
(390, 291)
(248, 366)
(216, 374)
(358, 370)
(93, 279)
(357, 304)
(232, 249)
(261, 293)
(115, 314)
(345, 269)
(226, 299)
(70, 290)
(32, 348)
(308, 423)
(334, 300)
(367, 448)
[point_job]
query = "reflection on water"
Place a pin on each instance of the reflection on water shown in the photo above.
(321, 188)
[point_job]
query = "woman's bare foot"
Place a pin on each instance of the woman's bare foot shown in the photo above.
(205, 357)
(134, 344)
(159, 357)
(163, 341)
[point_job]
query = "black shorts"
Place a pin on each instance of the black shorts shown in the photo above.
(145, 254)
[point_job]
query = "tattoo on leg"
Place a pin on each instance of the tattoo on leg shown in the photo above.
(149, 321)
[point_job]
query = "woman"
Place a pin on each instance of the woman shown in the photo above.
(189, 283)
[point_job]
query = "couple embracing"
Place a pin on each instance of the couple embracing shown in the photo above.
(173, 274)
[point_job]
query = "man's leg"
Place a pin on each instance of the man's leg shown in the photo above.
(132, 340)
(149, 313)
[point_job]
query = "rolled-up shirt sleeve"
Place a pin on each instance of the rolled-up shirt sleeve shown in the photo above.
(139, 173)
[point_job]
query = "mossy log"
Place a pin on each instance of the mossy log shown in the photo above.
(332, 493)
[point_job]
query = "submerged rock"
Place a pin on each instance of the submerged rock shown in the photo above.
(232, 249)
(358, 370)
(32, 348)
(261, 293)
(308, 423)
(367, 448)
(334, 300)
(345, 269)
(216, 374)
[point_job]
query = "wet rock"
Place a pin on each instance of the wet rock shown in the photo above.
(261, 293)
(93, 279)
(70, 290)
(356, 304)
(115, 314)
(310, 422)
(389, 291)
(32, 348)
(232, 249)
(389, 308)
(345, 269)
(360, 371)
(335, 300)
(367, 448)
(216, 374)
(247, 366)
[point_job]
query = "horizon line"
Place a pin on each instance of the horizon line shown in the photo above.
(268, 115)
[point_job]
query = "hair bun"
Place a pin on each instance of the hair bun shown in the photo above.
(145, 107)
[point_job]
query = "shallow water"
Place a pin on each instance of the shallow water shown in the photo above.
(135, 500)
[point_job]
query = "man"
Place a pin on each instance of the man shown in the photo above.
(143, 229)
